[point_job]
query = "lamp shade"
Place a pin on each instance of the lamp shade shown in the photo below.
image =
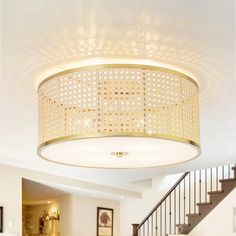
(119, 116)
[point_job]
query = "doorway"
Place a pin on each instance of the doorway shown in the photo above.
(40, 209)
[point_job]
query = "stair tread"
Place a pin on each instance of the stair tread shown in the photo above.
(183, 225)
(193, 214)
(215, 192)
(228, 180)
(204, 203)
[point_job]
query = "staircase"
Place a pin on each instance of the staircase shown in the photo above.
(188, 202)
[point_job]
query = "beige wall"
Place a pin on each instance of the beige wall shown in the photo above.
(66, 204)
(87, 215)
(133, 211)
(220, 221)
(78, 214)
(10, 199)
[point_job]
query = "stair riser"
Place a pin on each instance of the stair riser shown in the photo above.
(185, 230)
(216, 198)
(193, 221)
(228, 186)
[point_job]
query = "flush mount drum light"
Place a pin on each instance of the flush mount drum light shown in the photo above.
(118, 116)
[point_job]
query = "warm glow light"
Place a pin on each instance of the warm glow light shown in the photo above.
(119, 116)
(107, 60)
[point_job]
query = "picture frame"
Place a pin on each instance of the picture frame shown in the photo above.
(1, 219)
(105, 221)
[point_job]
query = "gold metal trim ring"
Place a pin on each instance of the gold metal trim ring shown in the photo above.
(120, 66)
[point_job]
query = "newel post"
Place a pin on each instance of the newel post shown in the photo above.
(135, 229)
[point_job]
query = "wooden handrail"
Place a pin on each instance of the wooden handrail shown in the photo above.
(163, 199)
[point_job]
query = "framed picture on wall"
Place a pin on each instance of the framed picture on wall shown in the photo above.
(1, 219)
(104, 221)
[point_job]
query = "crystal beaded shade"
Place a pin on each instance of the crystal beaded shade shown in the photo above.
(118, 116)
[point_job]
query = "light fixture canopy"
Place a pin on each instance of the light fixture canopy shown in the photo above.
(119, 116)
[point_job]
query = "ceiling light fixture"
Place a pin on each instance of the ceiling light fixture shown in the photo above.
(119, 115)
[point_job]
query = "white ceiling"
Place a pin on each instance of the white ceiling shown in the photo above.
(198, 36)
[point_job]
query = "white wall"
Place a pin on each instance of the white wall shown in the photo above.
(78, 214)
(220, 221)
(86, 215)
(10, 199)
(77, 209)
(133, 211)
(66, 204)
